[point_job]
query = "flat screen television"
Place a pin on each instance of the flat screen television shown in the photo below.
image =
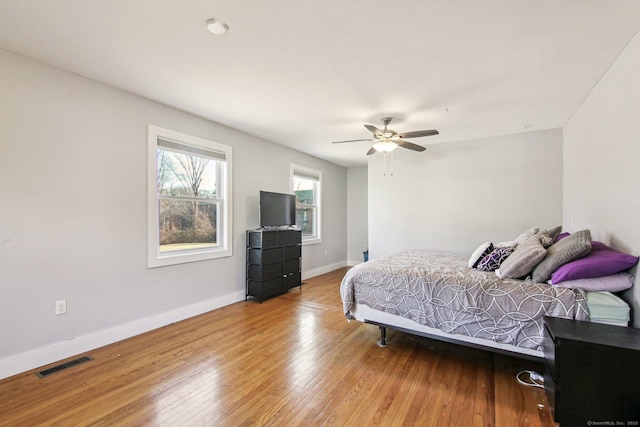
(277, 209)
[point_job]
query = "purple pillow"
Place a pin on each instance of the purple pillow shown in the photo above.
(601, 261)
(612, 283)
(492, 261)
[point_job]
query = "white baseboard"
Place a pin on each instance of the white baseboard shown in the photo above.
(307, 274)
(33, 359)
(352, 263)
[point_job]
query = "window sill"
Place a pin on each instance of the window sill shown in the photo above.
(185, 257)
(311, 241)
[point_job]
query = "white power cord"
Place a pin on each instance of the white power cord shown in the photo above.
(535, 379)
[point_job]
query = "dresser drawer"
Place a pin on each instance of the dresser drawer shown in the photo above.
(262, 239)
(291, 280)
(266, 289)
(264, 272)
(295, 237)
(291, 266)
(265, 256)
(292, 252)
(289, 237)
(284, 237)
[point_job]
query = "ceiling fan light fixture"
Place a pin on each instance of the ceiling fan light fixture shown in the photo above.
(385, 146)
(387, 140)
(217, 27)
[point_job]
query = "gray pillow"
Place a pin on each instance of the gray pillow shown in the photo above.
(548, 237)
(520, 263)
(554, 232)
(566, 250)
(524, 236)
(545, 239)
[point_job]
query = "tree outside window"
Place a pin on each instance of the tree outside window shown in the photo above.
(189, 198)
(188, 207)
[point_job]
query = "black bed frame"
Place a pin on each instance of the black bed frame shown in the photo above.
(383, 341)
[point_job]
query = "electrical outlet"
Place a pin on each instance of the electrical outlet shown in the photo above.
(61, 307)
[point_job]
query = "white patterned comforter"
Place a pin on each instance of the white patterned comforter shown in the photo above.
(441, 291)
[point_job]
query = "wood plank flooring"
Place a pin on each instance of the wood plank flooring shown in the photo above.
(292, 360)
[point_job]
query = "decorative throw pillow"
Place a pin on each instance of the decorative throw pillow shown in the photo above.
(548, 237)
(524, 236)
(545, 239)
(601, 261)
(493, 261)
(566, 250)
(477, 255)
(554, 232)
(520, 263)
(611, 283)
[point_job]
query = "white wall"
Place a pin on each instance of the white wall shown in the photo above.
(73, 215)
(455, 196)
(357, 230)
(601, 153)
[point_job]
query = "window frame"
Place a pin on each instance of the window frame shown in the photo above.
(306, 172)
(224, 199)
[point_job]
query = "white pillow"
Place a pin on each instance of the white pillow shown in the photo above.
(477, 255)
(509, 244)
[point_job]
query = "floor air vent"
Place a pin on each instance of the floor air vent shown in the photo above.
(63, 366)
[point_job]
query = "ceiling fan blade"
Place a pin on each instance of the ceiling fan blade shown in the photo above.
(374, 130)
(352, 140)
(418, 133)
(371, 151)
(410, 145)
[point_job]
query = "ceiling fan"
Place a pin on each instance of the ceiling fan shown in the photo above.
(388, 140)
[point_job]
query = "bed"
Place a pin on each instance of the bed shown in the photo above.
(437, 295)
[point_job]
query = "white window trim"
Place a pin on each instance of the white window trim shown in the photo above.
(224, 248)
(314, 172)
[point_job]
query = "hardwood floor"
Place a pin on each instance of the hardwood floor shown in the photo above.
(292, 360)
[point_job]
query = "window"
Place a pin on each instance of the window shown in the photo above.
(189, 198)
(306, 185)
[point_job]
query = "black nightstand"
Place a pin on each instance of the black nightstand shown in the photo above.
(592, 373)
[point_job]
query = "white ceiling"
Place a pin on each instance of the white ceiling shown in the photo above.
(305, 73)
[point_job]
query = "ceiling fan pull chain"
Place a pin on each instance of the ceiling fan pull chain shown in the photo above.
(384, 168)
(390, 164)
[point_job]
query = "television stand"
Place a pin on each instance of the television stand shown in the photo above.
(273, 262)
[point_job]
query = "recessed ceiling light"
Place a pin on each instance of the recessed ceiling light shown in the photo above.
(217, 27)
